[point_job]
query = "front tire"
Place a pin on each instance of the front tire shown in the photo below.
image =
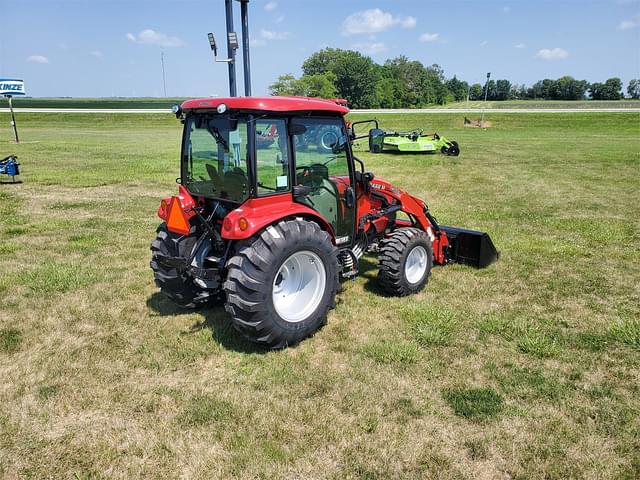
(405, 261)
(281, 283)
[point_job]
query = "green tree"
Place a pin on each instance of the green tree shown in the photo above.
(503, 90)
(321, 85)
(458, 89)
(633, 89)
(476, 92)
(355, 74)
(609, 90)
(285, 85)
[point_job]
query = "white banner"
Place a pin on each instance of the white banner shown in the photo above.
(11, 86)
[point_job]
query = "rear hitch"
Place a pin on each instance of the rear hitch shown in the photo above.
(470, 247)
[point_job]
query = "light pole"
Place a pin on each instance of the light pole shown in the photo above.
(486, 92)
(164, 81)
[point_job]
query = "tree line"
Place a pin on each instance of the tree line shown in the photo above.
(405, 83)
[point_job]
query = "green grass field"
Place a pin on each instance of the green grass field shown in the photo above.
(527, 369)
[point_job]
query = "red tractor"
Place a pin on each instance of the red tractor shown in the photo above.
(273, 228)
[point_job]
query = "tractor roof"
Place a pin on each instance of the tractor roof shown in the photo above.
(270, 104)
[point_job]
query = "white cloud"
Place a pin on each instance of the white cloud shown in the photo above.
(97, 54)
(37, 59)
(506, 9)
(151, 37)
(552, 53)
(429, 37)
(370, 48)
(520, 45)
(374, 21)
(257, 42)
(408, 22)
(271, 6)
(267, 36)
(629, 24)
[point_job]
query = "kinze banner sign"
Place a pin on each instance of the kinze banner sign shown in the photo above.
(11, 86)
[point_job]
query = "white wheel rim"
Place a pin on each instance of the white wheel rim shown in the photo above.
(416, 264)
(329, 139)
(299, 286)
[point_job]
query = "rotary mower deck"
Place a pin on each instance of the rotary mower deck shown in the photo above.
(381, 141)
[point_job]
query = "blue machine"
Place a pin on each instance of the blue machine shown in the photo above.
(10, 166)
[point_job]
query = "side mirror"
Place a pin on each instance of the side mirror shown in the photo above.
(376, 139)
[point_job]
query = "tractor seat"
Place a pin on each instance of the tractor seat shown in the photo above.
(235, 184)
(315, 175)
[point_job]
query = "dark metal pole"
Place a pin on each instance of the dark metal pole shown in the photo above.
(232, 65)
(13, 119)
(484, 105)
(244, 13)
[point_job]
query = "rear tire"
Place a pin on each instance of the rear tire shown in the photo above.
(281, 283)
(179, 288)
(405, 261)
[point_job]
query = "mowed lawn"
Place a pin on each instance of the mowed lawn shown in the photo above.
(527, 369)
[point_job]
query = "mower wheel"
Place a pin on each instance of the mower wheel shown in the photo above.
(405, 261)
(281, 283)
(453, 150)
(327, 138)
(177, 287)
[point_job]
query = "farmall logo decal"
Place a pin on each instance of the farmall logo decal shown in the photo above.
(11, 86)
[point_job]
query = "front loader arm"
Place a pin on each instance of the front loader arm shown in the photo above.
(418, 211)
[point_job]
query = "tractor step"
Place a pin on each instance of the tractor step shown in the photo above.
(470, 247)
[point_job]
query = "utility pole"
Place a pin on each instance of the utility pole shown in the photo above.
(164, 81)
(486, 92)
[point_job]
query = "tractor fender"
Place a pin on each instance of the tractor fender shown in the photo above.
(258, 213)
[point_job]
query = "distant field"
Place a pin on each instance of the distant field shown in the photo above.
(144, 103)
(529, 369)
(586, 104)
(93, 103)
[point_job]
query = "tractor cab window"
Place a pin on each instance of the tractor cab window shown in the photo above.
(322, 163)
(216, 157)
(272, 156)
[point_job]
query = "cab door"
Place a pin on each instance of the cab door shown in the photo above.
(322, 175)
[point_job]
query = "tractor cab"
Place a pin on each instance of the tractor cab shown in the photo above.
(268, 152)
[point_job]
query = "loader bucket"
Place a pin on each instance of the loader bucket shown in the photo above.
(470, 247)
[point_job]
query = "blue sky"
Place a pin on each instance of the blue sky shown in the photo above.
(102, 48)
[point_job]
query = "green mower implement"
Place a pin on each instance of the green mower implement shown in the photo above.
(416, 141)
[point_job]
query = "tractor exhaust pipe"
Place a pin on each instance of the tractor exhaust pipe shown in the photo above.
(470, 247)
